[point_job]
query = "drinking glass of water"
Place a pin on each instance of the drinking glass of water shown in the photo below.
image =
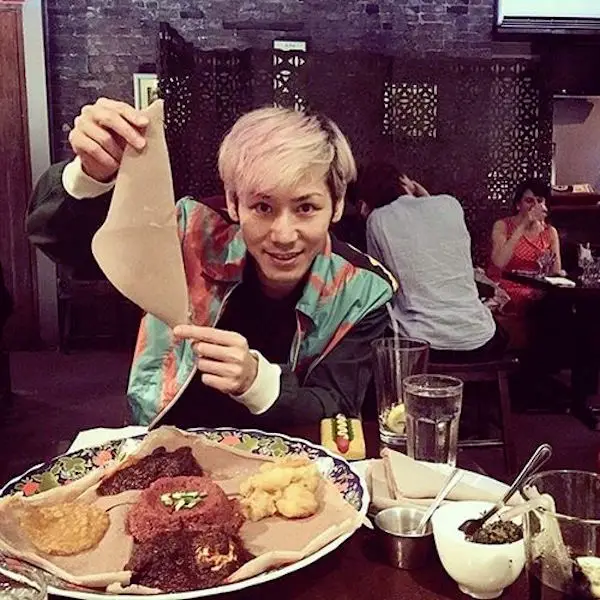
(433, 404)
(395, 358)
(561, 535)
(20, 581)
(546, 262)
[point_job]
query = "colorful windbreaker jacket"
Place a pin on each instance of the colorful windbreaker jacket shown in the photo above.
(343, 301)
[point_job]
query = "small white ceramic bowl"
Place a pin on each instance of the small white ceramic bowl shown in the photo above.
(481, 570)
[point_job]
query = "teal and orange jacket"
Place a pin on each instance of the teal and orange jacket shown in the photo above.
(341, 310)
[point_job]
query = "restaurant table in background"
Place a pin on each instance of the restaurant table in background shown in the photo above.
(585, 365)
(576, 293)
(357, 569)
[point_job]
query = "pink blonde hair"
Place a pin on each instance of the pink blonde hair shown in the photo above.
(271, 149)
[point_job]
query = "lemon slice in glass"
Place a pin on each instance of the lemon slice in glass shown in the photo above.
(590, 565)
(396, 419)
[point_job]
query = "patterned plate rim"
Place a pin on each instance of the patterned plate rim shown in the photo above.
(231, 587)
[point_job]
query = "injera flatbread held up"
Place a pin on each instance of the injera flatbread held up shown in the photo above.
(138, 246)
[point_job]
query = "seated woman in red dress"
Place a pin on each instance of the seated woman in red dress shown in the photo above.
(525, 242)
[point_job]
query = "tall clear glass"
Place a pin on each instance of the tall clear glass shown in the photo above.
(20, 581)
(433, 405)
(393, 360)
(562, 546)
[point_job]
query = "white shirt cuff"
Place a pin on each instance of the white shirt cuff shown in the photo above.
(263, 392)
(79, 184)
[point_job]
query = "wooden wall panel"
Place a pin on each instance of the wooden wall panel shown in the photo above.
(15, 182)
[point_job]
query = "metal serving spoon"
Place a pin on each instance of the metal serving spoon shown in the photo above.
(537, 460)
(453, 479)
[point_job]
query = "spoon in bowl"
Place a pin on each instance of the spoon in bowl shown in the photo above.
(537, 460)
(454, 477)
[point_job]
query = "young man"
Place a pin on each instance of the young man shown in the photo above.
(283, 314)
(424, 241)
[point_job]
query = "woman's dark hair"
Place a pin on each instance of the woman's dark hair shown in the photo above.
(378, 184)
(539, 187)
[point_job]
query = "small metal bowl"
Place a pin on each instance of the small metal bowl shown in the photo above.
(404, 548)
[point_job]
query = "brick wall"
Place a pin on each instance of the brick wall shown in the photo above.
(96, 45)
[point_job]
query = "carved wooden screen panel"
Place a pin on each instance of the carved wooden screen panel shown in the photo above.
(471, 128)
(443, 144)
(262, 78)
(464, 121)
(205, 92)
(520, 130)
(492, 123)
(410, 109)
(188, 99)
(412, 103)
(289, 76)
(347, 87)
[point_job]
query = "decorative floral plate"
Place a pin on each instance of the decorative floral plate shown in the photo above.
(69, 467)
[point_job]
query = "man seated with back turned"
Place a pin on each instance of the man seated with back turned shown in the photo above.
(425, 243)
(283, 314)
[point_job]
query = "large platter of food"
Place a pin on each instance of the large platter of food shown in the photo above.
(180, 514)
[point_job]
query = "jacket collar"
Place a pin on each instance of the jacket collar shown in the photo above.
(227, 266)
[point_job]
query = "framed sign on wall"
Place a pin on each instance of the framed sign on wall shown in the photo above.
(145, 89)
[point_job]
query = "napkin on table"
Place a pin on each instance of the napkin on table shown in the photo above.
(397, 480)
(100, 435)
(560, 281)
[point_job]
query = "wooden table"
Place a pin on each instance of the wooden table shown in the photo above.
(585, 365)
(356, 570)
(577, 293)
